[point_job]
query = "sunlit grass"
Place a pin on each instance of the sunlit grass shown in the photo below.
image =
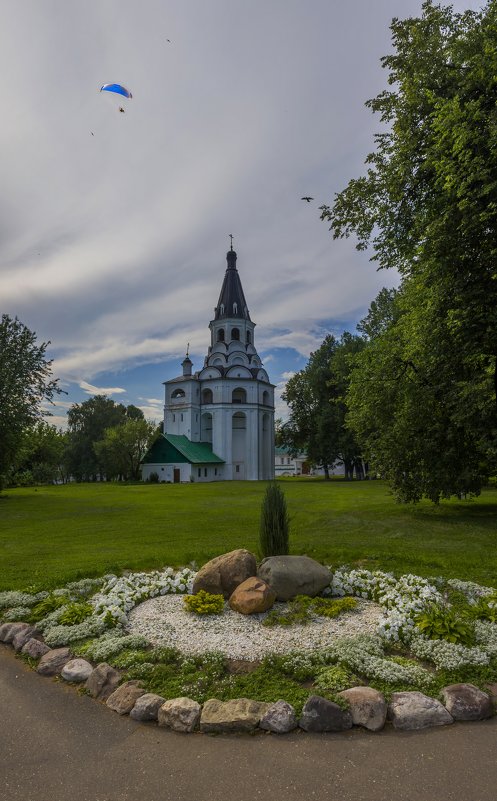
(51, 535)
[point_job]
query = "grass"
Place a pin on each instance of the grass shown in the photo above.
(52, 535)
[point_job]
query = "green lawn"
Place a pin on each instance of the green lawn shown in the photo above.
(52, 535)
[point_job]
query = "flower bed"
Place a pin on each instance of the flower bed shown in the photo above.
(395, 656)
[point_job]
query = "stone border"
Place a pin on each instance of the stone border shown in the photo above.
(363, 706)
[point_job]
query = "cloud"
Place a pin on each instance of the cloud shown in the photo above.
(91, 390)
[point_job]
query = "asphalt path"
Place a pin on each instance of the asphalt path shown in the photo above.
(58, 745)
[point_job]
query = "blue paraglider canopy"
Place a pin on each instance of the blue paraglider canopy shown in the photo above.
(117, 89)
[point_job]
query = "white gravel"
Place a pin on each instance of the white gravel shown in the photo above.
(165, 621)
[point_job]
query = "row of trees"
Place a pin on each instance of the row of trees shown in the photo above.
(104, 439)
(421, 398)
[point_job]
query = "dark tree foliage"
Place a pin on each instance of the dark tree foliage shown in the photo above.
(88, 422)
(427, 206)
(316, 398)
(25, 382)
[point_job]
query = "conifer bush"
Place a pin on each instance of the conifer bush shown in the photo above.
(275, 523)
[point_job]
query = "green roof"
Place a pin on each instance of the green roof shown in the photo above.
(284, 451)
(169, 448)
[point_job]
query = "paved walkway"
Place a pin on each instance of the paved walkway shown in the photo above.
(56, 745)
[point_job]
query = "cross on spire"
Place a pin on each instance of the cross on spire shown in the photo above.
(231, 237)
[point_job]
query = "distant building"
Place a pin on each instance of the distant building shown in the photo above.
(286, 465)
(219, 421)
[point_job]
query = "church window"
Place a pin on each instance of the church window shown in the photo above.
(235, 333)
(181, 417)
(205, 472)
(235, 308)
(207, 396)
(178, 393)
(215, 471)
(237, 468)
(282, 460)
(200, 472)
(221, 308)
(288, 461)
(239, 396)
(248, 338)
(220, 335)
(174, 418)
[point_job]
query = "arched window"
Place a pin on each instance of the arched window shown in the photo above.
(220, 335)
(207, 396)
(178, 393)
(235, 308)
(235, 333)
(221, 308)
(239, 396)
(248, 338)
(265, 398)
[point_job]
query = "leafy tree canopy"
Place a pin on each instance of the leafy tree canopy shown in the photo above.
(423, 395)
(25, 382)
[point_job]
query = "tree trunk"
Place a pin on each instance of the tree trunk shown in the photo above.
(326, 472)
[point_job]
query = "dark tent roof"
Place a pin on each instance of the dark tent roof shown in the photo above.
(231, 301)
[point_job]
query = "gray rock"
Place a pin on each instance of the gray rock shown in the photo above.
(180, 714)
(76, 670)
(289, 576)
(23, 636)
(123, 699)
(102, 681)
(280, 718)
(147, 707)
(412, 710)
(239, 714)
(319, 714)
(367, 707)
(9, 630)
(53, 661)
(35, 648)
(467, 702)
(224, 573)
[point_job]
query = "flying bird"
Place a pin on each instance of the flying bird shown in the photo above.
(121, 110)
(92, 133)
(307, 198)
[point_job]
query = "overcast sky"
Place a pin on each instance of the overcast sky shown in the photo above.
(114, 227)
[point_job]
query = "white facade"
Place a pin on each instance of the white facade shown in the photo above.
(230, 401)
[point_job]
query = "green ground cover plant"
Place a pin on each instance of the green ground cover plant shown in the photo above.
(52, 535)
(303, 608)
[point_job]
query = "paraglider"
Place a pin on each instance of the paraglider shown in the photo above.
(117, 92)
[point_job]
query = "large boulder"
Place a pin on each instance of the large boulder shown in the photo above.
(413, 710)
(223, 574)
(147, 707)
(180, 714)
(251, 596)
(319, 714)
(467, 702)
(123, 699)
(10, 630)
(279, 718)
(367, 707)
(240, 714)
(35, 648)
(76, 670)
(53, 661)
(102, 681)
(289, 576)
(23, 636)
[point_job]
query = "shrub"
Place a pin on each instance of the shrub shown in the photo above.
(153, 478)
(275, 523)
(438, 622)
(75, 613)
(204, 603)
(46, 606)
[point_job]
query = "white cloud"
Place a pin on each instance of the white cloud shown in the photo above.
(92, 390)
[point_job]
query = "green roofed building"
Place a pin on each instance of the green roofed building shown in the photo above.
(219, 421)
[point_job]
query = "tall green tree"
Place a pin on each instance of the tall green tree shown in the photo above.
(41, 457)
(316, 398)
(88, 422)
(124, 446)
(25, 383)
(427, 206)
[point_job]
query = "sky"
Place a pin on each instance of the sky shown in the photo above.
(114, 227)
